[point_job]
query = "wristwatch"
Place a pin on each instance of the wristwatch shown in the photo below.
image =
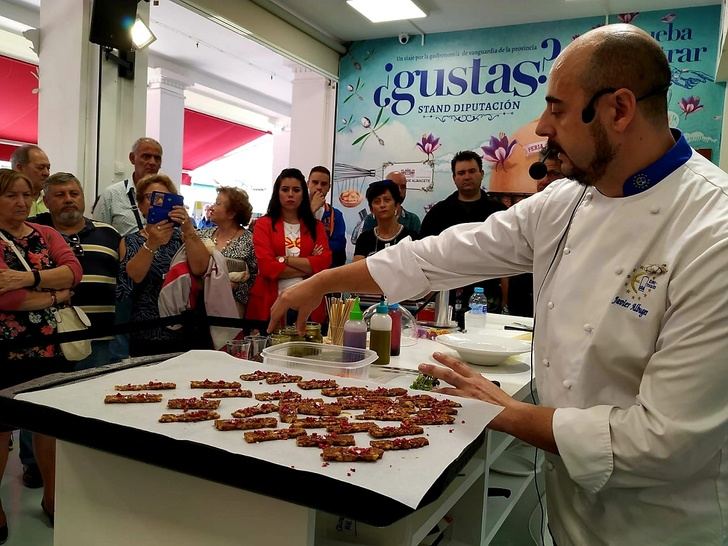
(283, 260)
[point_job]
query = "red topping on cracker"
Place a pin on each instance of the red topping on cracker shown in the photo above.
(189, 417)
(141, 398)
(219, 384)
(151, 386)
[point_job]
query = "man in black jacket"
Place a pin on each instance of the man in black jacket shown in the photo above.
(468, 204)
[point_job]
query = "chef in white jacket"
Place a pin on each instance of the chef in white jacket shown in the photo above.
(629, 260)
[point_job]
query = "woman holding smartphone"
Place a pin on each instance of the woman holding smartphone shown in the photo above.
(145, 259)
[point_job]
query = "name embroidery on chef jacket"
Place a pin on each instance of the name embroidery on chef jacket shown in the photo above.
(639, 284)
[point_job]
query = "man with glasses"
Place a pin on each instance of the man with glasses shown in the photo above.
(629, 351)
(96, 245)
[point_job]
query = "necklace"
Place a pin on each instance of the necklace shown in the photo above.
(379, 235)
(227, 241)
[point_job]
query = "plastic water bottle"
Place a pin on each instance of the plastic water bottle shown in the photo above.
(475, 318)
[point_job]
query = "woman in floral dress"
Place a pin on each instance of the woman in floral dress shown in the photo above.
(27, 301)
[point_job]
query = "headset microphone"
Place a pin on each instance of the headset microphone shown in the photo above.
(538, 169)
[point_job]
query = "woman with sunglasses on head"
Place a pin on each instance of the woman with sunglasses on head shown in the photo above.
(290, 245)
(146, 257)
(37, 272)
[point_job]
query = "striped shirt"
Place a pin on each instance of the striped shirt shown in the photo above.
(96, 293)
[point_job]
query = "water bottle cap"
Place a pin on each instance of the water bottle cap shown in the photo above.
(478, 290)
(355, 313)
(383, 308)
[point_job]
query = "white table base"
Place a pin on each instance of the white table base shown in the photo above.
(108, 500)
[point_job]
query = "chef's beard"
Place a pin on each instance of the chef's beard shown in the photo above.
(604, 154)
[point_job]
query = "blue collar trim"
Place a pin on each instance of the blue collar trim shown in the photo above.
(660, 169)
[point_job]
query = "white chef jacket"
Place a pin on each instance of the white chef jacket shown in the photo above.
(630, 343)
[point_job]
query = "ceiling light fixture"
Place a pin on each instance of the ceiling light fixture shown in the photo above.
(379, 11)
(141, 36)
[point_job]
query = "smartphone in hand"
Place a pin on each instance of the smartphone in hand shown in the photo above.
(161, 206)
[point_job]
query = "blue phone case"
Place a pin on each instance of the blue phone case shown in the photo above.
(162, 204)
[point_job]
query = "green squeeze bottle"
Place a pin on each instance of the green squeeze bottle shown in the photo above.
(380, 333)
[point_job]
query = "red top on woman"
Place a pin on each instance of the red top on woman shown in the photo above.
(270, 243)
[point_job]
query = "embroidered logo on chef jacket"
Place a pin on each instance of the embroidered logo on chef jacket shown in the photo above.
(640, 283)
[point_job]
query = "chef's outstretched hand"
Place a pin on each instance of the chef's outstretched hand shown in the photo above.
(303, 297)
(465, 381)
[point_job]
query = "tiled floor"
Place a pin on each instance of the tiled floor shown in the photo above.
(27, 524)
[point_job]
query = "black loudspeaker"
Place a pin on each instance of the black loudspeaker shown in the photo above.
(111, 22)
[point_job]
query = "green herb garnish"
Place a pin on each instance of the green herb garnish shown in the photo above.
(425, 383)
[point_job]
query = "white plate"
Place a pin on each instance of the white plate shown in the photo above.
(482, 348)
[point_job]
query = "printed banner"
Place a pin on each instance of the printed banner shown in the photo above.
(689, 37)
(412, 107)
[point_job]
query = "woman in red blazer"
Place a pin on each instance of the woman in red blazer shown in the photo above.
(290, 245)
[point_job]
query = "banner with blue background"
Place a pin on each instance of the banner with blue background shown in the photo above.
(411, 107)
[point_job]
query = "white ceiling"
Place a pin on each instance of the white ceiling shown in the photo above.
(335, 19)
(193, 41)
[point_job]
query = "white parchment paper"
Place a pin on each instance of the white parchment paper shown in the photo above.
(404, 476)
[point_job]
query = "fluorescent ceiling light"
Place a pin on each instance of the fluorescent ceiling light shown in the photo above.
(141, 36)
(378, 11)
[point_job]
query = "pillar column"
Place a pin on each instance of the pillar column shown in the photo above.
(88, 117)
(312, 120)
(165, 118)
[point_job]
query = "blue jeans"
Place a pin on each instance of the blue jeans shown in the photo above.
(100, 354)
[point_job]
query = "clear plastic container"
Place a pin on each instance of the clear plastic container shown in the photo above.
(315, 357)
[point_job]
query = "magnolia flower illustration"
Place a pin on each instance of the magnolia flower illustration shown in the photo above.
(429, 144)
(690, 105)
(498, 150)
(627, 17)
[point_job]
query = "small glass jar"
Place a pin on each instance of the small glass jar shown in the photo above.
(279, 337)
(313, 332)
(291, 332)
